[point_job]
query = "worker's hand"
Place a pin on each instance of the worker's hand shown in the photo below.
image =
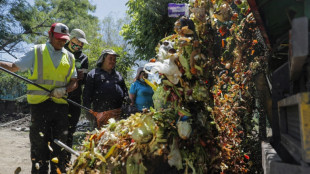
(59, 92)
(103, 117)
(80, 75)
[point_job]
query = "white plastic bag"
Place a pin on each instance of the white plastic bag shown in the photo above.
(163, 50)
(167, 67)
(184, 129)
(174, 157)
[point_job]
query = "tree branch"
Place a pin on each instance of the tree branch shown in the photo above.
(7, 51)
(30, 31)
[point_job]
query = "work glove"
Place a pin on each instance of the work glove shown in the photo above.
(103, 117)
(59, 92)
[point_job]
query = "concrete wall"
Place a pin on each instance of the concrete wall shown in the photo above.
(273, 164)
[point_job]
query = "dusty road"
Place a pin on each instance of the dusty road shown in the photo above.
(14, 151)
(15, 147)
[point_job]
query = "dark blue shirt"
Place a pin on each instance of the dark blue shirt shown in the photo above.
(103, 90)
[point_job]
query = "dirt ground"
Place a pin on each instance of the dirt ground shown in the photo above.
(15, 143)
(14, 151)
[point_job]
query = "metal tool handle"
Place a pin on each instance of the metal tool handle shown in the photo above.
(23, 78)
(67, 148)
(41, 87)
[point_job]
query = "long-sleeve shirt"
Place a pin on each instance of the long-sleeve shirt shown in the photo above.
(103, 90)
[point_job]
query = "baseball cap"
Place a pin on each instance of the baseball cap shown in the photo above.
(79, 34)
(60, 31)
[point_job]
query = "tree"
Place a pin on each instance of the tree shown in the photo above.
(149, 23)
(29, 24)
(10, 86)
(21, 22)
(109, 38)
(110, 30)
(10, 28)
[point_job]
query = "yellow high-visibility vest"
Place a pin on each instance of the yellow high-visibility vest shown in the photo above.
(46, 75)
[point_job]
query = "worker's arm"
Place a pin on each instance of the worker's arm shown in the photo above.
(124, 88)
(9, 66)
(132, 93)
(89, 89)
(132, 98)
(84, 65)
(72, 85)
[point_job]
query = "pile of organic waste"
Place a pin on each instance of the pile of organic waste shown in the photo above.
(202, 121)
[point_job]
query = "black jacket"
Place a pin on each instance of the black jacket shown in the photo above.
(81, 62)
(105, 91)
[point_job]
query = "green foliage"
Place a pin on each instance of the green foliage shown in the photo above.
(123, 64)
(10, 86)
(149, 23)
(108, 38)
(110, 30)
(30, 24)
(9, 26)
(21, 22)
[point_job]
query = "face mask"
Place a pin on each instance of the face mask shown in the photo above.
(141, 79)
(75, 47)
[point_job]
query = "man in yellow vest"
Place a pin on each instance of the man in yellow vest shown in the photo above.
(53, 67)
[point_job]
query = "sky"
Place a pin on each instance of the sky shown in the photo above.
(105, 7)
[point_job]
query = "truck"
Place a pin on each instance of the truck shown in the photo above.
(284, 88)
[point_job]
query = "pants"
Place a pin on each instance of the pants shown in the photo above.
(74, 116)
(49, 121)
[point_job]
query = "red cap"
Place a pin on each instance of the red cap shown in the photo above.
(60, 31)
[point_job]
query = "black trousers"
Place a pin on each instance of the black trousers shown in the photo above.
(74, 116)
(49, 121)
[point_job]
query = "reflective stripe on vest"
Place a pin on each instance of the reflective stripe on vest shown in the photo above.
(36, 95)
(37, 92)
(40, 69)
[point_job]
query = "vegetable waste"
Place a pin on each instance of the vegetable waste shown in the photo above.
(202, 120)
